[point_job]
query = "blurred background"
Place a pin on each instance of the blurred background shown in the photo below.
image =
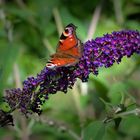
(29, 33)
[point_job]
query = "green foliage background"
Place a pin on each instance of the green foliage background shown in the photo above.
(29, 32)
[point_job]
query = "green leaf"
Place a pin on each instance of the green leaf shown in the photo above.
(5, 107)
(117, 122)
(111, 133)
(116, 91)
(94, 131)
(131, 126)
(102, 89)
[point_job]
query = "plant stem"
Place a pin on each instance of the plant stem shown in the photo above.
(24, 132)
(76, 97)
(118, 11)
(135, 112)
(74, 135)
(9, 31)
(61, 126)
(58, 20)
(94, 21)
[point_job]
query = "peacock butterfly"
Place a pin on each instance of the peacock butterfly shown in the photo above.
(69, 49)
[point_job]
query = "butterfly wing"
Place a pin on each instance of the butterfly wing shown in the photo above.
(59, 62)
(67, 58)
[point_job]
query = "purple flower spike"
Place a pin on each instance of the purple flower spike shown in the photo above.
(101, 52)
(104, 51)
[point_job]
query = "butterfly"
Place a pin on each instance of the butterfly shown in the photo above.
(69, 49)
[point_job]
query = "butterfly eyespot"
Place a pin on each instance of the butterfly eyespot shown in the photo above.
(66, 31)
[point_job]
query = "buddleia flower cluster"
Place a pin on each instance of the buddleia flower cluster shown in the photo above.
(100, 52)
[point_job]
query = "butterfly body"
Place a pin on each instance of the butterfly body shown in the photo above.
(69, 49)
